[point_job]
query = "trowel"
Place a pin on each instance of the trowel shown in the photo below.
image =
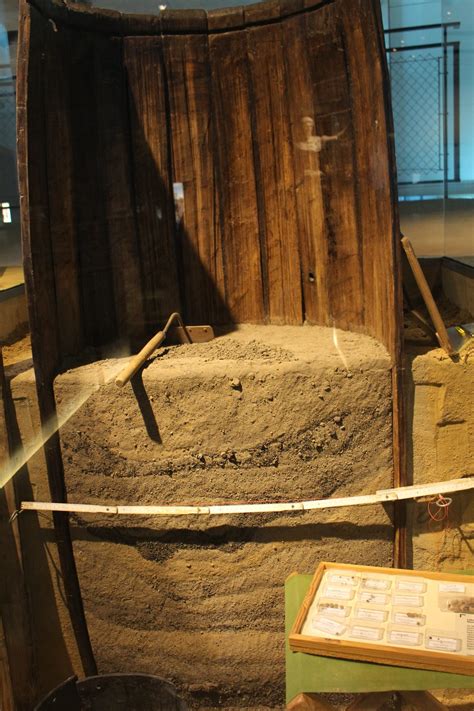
(461, 336)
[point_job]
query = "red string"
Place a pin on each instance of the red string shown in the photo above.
(438, 511)
(441, 512)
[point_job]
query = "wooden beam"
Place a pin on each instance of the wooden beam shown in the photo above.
(16, 655)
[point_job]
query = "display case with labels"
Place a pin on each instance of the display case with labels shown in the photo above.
(418, 619)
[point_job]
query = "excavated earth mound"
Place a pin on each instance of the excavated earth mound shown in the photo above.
(262, 413)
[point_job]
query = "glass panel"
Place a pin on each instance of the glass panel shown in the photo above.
(459, 216)
(430, 46)
(10, 250)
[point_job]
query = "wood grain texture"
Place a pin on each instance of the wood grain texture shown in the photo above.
(379, 234)
(280, 224)
(198, 230)
(236, 177)
(333, 127)
(89, 189)
(40, 287)
(34, 201)
(7, 702)
(149, 118)
(310, 218)
(17, 660)
(114, 160)
(274, 176)
(60, 187)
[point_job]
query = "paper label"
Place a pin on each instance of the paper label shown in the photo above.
(412, 619)
(343, 579)
(397, 637)
(470, 634)
(327, 625)
(374, 598)
(410, 586)
(446, 644)
(337, 593)
(407, 600)
(413, 613)
(452, 587)
(333, 610)
(375, 584)
(363, 614)
(366, 632)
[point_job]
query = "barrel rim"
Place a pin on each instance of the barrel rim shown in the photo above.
(172, 21)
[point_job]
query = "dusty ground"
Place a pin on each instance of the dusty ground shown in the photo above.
(17, 352)
(440, 443)
(440, 440)
(440, 447)
(200, 601)
(260, 414)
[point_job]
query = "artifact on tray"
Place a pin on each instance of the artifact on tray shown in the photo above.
(407, 618)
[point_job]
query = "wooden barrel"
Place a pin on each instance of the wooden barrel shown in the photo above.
(114, 692)
(234, 166)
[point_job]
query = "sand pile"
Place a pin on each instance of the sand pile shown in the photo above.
(259, 414)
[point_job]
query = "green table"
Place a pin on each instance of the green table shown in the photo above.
(310, 674)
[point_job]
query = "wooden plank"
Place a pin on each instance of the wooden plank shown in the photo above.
(226, 18)
(333, 127)
(188, 76)
(116, 178)
(309, 202)
(261, 11)
(34, 205)
(7, 701)
(17, 677)
(236, 177)
(39, 279)
(152, 178)
(274, 174)
(448, 664)
(183, 21)
(378, 222)
(89, 199)
(60, 186)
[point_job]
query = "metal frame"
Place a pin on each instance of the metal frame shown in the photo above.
(444, 26)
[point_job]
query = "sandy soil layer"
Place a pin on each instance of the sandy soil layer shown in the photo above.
(259, 414)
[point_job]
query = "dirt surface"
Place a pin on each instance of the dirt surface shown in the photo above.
(451, 314)
(260, 414)
(17, 357)
(440, 444)
(200, 600)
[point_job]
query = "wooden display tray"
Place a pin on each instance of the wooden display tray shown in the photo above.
(402, 656)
